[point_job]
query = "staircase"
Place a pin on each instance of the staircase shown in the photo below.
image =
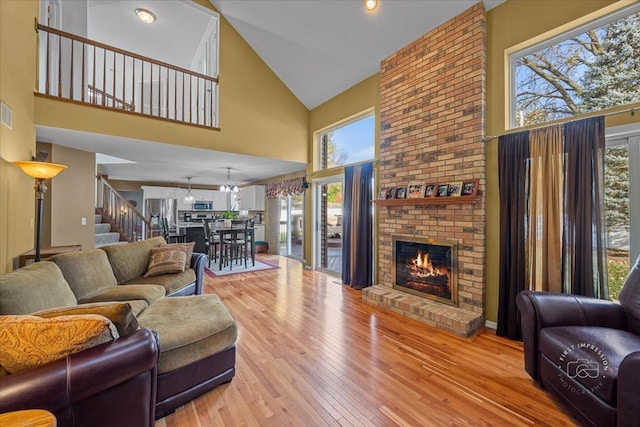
(104, 235)
(116, 219)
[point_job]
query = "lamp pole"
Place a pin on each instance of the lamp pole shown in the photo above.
(40, 190)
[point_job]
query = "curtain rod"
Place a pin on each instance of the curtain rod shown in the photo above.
(559, 122)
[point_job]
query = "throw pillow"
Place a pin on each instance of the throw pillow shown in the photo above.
(30, 341)
(186, 247)
(119, 313)
(164, 261)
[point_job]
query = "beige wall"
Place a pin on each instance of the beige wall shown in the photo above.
(510, 24)
(258, 114)
(17, 79)
(72, 195)
(361, 97)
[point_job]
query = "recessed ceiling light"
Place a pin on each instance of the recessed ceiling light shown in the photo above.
(145, 16)
(370, 5)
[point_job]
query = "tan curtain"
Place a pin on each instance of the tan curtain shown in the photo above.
(544, 243)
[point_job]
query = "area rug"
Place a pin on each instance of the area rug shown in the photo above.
(238, 269)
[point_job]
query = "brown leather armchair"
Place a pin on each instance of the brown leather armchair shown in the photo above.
(586, 351)
(112, 384)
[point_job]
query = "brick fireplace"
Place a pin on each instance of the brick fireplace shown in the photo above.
(432, 123)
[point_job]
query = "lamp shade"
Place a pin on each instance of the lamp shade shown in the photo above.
(40, 170)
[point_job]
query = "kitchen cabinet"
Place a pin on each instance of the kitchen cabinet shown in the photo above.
(219, 201)
(258, 233)
(252, 198)
(180, 195)
(159, 192)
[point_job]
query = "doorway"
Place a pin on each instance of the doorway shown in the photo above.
(328, 217)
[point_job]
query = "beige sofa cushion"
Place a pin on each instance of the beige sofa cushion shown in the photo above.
(205, 327)
(119, 313)
(131, 260)
(87, 272)
(147, 292)
(170, 282)
(35, 287)
(30, 341)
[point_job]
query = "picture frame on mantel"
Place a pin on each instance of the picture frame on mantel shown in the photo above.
(455, 189)
(470, 187)
(401, 193)
(443, 190)
(416, 190)
(430, 190)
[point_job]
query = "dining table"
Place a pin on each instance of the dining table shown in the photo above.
(222, 231)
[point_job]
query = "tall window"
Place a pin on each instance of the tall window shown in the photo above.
(591, 68)
(622, 207)
(348, 143)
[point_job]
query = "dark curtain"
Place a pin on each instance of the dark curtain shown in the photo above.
(357, 226)
(584, 253)
(513, 156)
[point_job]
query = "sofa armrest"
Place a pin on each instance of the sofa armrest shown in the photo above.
(198, 261)
(72, 386)
(540, 310)
(628, 393)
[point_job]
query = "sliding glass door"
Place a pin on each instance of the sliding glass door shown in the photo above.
(291, 236)
(328, 215)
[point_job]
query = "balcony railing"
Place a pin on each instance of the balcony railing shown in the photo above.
(83, 70)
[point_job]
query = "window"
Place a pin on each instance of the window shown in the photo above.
(622, 207)
(348, 143)
(591, 68)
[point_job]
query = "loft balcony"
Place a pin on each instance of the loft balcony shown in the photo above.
(80, 70)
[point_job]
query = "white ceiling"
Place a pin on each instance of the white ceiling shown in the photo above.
(318, 48)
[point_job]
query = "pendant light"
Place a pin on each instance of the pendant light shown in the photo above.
(228, 187)
(189, 198)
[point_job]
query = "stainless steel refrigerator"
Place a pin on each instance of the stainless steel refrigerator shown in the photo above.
(156, 209)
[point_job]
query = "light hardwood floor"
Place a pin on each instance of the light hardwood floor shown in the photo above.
(310, 352)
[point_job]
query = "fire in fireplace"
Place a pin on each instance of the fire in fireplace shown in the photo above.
(426, 267)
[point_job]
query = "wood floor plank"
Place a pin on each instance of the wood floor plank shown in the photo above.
(310, 352)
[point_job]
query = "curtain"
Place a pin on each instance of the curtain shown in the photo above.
(287, 187)
(357, 226)
(544, 240)
(273, 225)
(513, 155)
(584, 253)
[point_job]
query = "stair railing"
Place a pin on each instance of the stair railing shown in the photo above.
(82, 70)
(121, 214)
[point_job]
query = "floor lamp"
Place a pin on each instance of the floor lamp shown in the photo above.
(39, 171)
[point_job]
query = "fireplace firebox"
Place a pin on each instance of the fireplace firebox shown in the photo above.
(426, 267)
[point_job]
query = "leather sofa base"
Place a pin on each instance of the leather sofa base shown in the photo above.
(177, 387)
(585, 405)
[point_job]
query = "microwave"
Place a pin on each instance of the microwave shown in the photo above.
(202, 206)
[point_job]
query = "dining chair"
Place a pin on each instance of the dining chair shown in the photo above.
(214, 241)
(234, 243)
(197, 234)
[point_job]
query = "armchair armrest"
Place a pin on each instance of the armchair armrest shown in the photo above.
(198, 261)
(540, 310)
(628, 393)
(80, 385)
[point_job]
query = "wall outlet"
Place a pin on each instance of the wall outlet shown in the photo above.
(83, 221)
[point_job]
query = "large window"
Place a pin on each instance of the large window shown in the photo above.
(591, 68)
(348, 143)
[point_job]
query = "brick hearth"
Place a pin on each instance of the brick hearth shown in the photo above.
(432, 105)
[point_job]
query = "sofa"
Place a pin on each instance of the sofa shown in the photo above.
(196, 333)
(586, 351)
